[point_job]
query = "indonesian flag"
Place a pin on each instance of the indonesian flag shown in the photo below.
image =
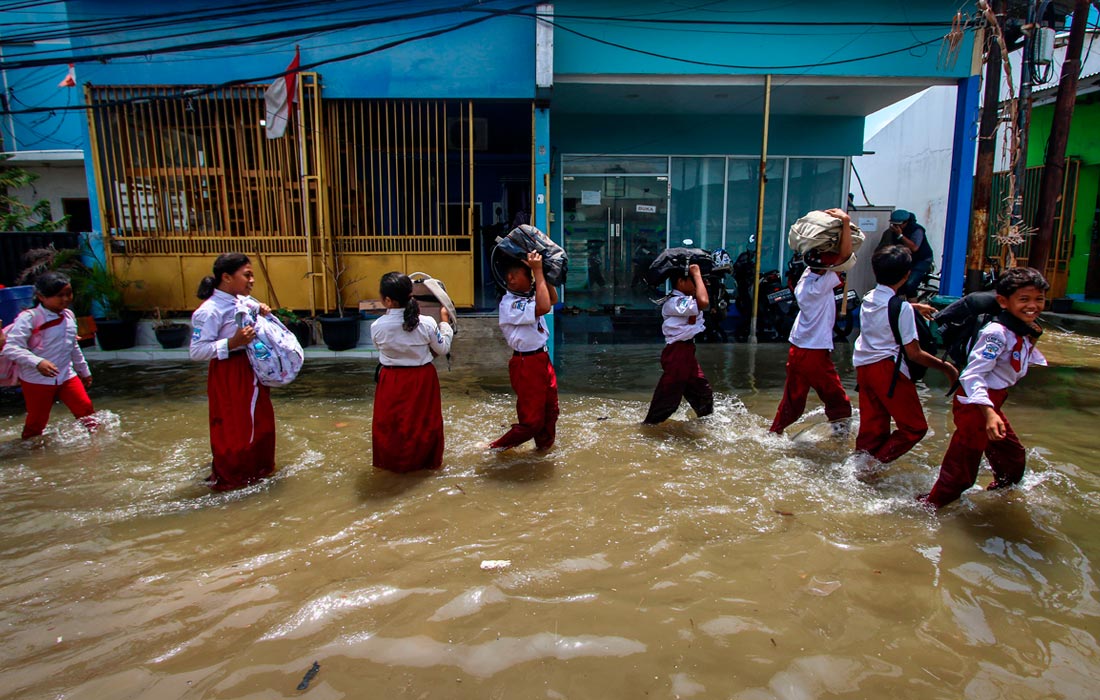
(70, 78)
(279, 98)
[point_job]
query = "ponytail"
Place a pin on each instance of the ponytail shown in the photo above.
(412, 314)
(224, 264)
(399, 287)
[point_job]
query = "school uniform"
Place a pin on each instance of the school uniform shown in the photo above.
(682, 377)
(242, 420)
(531, 374)
(875, 357)
(1000, 358)
(40, 334)
(407, 427)
(809, 362)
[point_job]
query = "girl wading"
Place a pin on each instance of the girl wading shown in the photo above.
(407, 430)
(242, 421)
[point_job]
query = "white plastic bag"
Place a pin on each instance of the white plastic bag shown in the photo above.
(275, 354)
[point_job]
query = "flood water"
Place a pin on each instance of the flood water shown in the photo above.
(695, 559)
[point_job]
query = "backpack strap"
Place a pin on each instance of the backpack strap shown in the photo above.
(893, 313)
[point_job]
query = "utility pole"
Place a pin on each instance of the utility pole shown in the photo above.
(987, 149)
(1023, 107)
(1050, 189)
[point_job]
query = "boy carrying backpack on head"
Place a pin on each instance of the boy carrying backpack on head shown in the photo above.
(809, 365)
(884, 355)
(1004, 350)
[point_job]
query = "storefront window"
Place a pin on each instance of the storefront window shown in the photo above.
(614, 165)
(814, 183)
(696, 205)
(741, 207)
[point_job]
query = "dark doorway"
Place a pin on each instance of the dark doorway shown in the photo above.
(80, 214)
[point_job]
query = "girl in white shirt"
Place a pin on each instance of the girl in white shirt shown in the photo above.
(42, 345)
(242, 421)
(407, 428)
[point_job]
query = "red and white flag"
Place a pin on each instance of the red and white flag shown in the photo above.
(279, 99)
(70, 78)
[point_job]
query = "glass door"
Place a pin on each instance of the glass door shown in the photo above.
(614, 226)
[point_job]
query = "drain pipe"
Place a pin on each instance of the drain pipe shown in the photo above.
(760, 207)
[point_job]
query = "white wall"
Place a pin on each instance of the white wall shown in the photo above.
(911, 165)
(54, 183)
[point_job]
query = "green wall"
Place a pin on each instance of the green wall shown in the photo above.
(1084, 144)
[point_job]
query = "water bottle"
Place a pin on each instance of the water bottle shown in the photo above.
(260, 350)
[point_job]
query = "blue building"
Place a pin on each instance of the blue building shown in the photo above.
(424, 129)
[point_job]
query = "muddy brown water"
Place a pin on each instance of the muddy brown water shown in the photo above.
(695, 559)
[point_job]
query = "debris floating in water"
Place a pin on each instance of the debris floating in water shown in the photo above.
(495, 564)
(304, 685)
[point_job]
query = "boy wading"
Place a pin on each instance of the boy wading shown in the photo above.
(683, 378)
(809, 364)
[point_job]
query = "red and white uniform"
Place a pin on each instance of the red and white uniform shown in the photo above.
(242, 420)
(40, 334)
(999, 359)
(407, 428)
(681, 376)
(874, 356)
(531, 374)
(809, 365)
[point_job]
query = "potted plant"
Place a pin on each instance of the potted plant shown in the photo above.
(67, 261)
(116, 326)
(170, 334)
(340, 329)
(300, 327)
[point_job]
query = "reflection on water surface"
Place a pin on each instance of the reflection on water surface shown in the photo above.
(698, 558)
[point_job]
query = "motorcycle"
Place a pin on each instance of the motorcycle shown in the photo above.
(715, 315)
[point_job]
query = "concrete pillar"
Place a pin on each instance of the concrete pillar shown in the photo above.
(961, 187)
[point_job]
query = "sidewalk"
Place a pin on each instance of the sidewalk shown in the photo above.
(1083, 324)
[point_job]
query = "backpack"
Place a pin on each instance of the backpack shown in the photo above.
(960, 322)
(673, 259)
(275, 354)
(925, 339)
(9, 374)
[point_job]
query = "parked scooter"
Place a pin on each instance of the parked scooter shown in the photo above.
(715, 315)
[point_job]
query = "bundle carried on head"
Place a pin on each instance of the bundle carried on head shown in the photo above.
(816, 236)
(677, 260)
(524, 239)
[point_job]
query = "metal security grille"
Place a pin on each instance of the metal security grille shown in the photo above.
(401, 175)
(195, 174)
(1057, 272)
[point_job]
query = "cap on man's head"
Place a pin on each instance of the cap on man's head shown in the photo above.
(900, 216)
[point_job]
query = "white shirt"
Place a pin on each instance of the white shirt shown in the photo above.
(523, 330)
(400, 348)
(813, 327)
(876, 341)
(990, 363)
(212, 325)
(682, 318)
(56, 344)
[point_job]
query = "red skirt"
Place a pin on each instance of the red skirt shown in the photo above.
(242, 424)
(407, 429)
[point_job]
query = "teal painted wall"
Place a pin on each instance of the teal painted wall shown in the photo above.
(1083, 143)
(811, 48)
(706, 135)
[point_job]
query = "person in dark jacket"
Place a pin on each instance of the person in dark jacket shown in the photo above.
(904, 230)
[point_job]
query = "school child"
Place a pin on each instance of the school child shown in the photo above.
(1002, 353)
(527, 299)
(809, 364)
(882, 378)
(50, 366)
(682, 376)
(242, 421)
(407, 429)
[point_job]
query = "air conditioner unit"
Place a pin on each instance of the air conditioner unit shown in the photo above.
(458, 134)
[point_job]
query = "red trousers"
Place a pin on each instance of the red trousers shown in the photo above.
(407, 428)
(536, 388)
(876, 409)
(810, 369)
(960, 465)
(39, 399)
(682, 379)
(242, 424)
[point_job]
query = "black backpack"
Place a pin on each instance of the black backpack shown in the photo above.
(925, 338)
(960, 321)
(677, 259)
